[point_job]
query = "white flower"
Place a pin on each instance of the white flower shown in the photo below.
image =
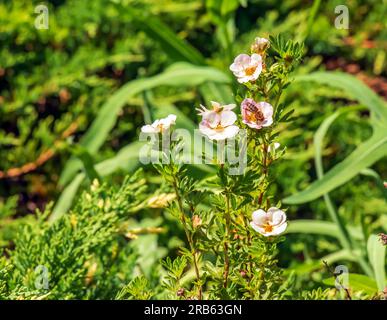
(247, 68)
(256, 114)
(160, 125)
(218, 123)
(270, 223)
(260, 45)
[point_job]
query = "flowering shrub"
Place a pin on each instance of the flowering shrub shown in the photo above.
(232, 245)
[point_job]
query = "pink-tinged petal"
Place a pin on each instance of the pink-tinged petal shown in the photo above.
(243, 59)
(229, 107)
(227, 118)
(267, 109)
(235, 67)
(230, 132)
(202, 110)
(243, 79)
(204, 129)
(240, 62)
(268, 122)
(172, 118)
(252, 125)
(259, 217)
(271, 211)
(257, 72)
(278, 217)
(256, 59)
(215, 105)
(280, 229)
(212, 119)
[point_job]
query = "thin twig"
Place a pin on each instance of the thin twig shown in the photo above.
(42, 158)
(335, 275)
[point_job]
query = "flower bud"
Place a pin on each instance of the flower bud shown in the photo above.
(196, 221)
(180, 292)
(243, 273)
(260, 45)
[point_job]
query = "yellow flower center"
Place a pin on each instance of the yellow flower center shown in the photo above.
(219, 128)
(250, 71)
(268, 227)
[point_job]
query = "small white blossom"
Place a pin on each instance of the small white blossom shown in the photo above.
(247, 68)
(160, 125)
(270, 223)
(218, 123)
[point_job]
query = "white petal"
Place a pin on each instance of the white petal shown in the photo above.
(259, 217)
(236, 67)
(279, 217)
(243, 79)
(242, 60)
(230, 132)
(212, 118)
(172, 118)
(252, 124)
(204, 129)
(215, 104)
(268, 122)
(257, 72)
(227, 118)
(280, 229)
(257, 228)
(276, 215)
(202, 110)
(256, 59)
(149, 129)
(228, 107)
(267, 109)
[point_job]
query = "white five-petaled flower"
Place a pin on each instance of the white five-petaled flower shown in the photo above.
(247, 68)
(160, 125)
(260, 45)
(256, 115)
(218, 123)
(270, 223)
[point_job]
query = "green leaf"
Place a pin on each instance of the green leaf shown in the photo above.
(364, 156)
(354, 87)
(66, 198)
(174, 46)
(357, 282)
(87, 161)
(377, 256)
(180, 74)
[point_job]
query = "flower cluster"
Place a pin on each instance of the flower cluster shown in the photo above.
(220, 123)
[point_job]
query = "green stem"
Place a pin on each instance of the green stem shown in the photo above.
(188, 236)
(227, 236)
